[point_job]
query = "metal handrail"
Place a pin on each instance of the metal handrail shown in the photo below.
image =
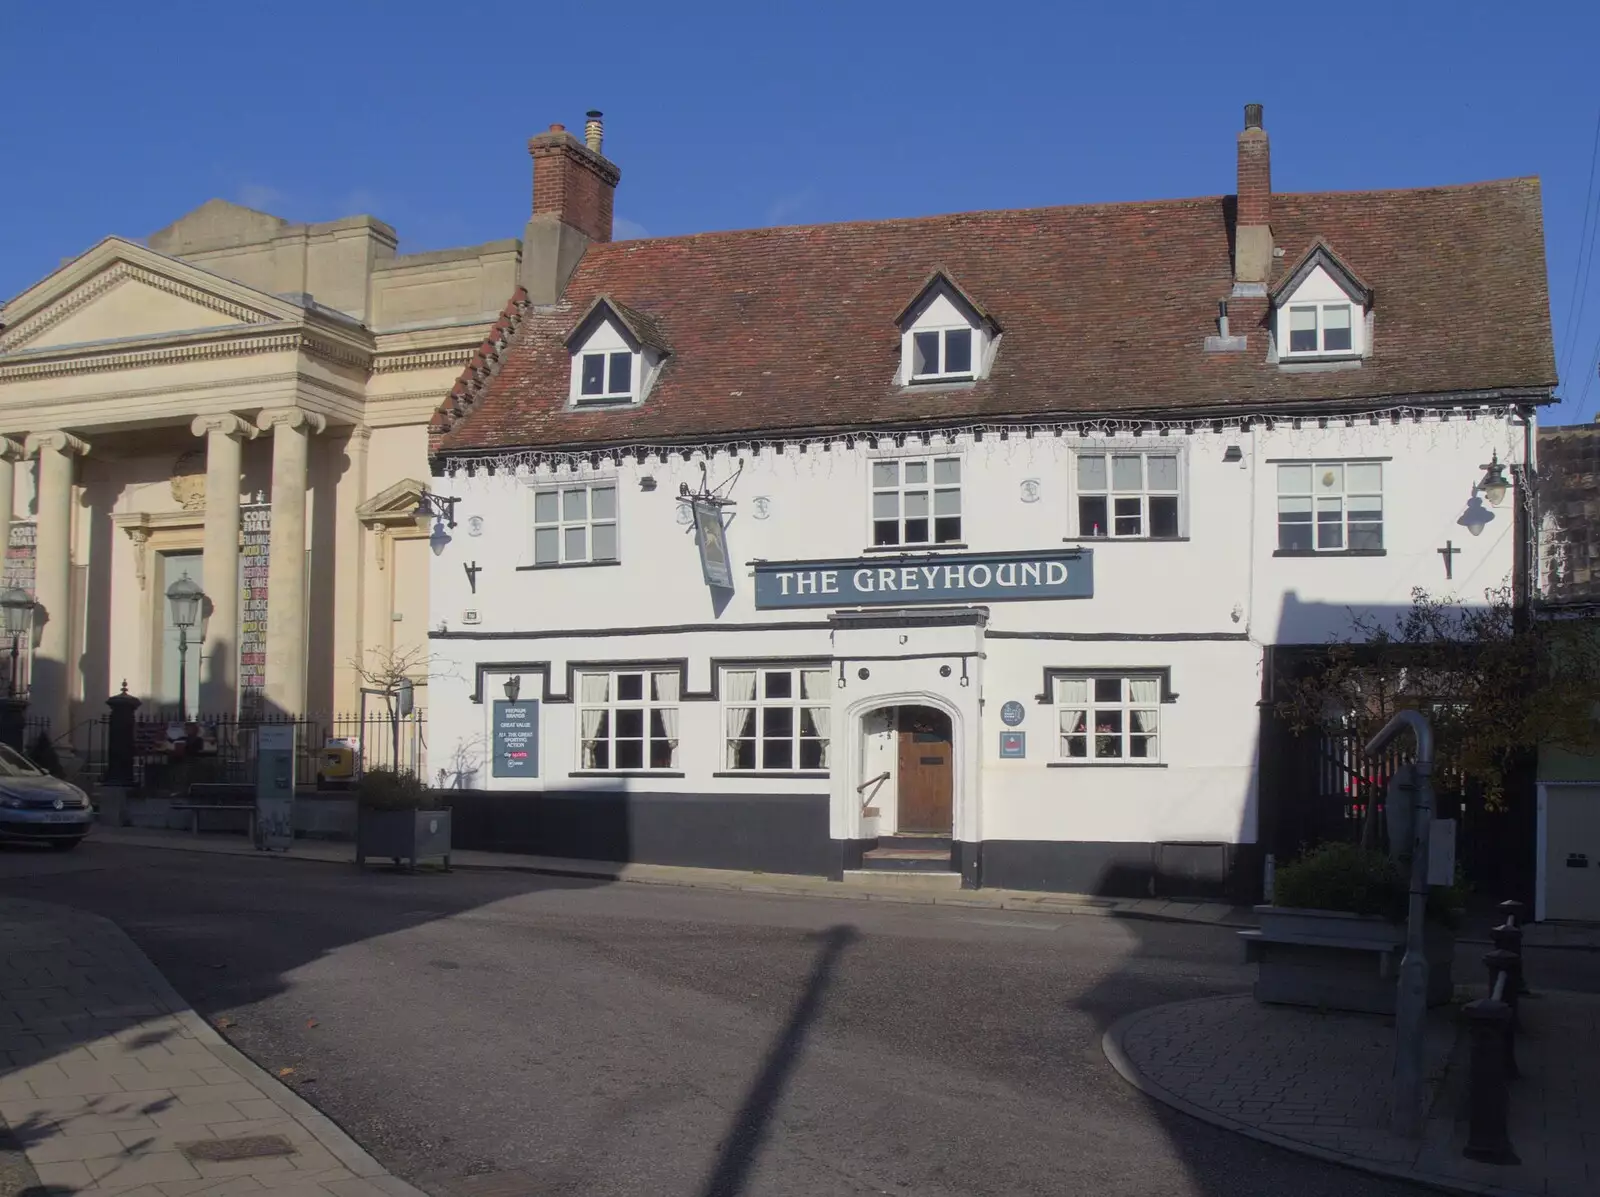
(882, 777)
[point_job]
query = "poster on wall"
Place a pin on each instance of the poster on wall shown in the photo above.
(713, 540)
(19, 572)
(516, 739)
(256, 521)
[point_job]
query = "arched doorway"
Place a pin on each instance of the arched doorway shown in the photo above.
(924, 772)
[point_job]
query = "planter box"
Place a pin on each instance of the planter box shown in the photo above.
(1330, 960)
(408, 835)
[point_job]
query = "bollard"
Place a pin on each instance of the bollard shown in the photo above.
(1508, 938)
(1516, 912)
(1488, 1096)
(1499, 961)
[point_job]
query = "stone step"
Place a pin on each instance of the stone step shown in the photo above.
(911, 879)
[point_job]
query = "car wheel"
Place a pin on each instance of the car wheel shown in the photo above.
(66, 845)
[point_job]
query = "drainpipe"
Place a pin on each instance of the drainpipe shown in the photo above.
(1411, 996)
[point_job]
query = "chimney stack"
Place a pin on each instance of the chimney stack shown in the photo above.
(594, 130)
(1252, 242)
(573, 188)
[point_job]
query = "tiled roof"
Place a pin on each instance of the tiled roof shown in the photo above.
(1569, 508)
(1105, 309)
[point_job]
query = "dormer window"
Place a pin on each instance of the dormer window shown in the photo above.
(942, 353)
(945, 336)
(607, 376)
(1321, 310)
(616, 355)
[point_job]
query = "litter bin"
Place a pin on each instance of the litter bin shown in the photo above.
(336, 765)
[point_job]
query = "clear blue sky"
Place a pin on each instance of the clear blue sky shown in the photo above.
(120, 117)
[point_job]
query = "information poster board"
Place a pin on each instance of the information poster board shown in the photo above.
(255, 543)
(516, 738)
(275, 786)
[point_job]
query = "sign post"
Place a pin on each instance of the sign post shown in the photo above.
(275, 787)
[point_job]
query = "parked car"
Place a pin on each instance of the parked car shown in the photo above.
(39, 808)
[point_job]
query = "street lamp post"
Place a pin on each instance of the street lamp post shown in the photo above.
(18, 607)
(186, 598)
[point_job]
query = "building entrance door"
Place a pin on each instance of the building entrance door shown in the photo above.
(926, 779)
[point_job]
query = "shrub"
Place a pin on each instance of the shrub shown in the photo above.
(392, 789)
(1356, 880)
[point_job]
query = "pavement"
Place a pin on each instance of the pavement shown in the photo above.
(112, 1084)
(1316, 1082)
(904, 887)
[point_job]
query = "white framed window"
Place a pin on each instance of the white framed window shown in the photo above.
(1316, 329)
(775, 719)
(916, 500)
(628, 720)
(1108, 717)
(1330, 506)
(575, 525)
(942, 354)
(1128, 494)
(605, 375)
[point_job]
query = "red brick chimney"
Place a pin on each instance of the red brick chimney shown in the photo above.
(1252, 244)
(573, 188)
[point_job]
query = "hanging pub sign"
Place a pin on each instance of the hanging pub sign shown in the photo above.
(945, 578)
(713, 541)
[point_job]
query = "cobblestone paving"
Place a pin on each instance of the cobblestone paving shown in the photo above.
(106, 1075)
(1320, 1080)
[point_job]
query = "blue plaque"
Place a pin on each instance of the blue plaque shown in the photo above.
(516, 738)
(1012, 714)
(905, 579)
(1013, 744)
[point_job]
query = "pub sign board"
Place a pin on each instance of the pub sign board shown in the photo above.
(516, 738)
(899, 580)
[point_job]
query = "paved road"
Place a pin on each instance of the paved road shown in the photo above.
(499, 1035)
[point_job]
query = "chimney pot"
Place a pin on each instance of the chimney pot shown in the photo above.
(1252, 116)
(594, 129)
(558, 128)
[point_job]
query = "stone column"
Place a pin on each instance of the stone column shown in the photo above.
(286, 560)
(52, 671)
(10, 454)
(219, 683)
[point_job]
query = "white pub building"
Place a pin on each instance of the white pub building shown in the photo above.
(958, 543)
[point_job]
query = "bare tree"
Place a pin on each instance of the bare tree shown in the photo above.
(393, 673)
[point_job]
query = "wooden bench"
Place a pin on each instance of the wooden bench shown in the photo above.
(195, 809)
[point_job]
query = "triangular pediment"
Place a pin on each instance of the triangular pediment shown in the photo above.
(395, 504)
(120, 290)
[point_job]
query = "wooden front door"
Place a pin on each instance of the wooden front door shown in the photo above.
(926, 780)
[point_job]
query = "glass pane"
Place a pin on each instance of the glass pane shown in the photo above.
(811, 725)
(916, 504)
(621, 373)
(947, 502)
(1330, 479)
(1129, 518)
(663, 753)
(1127, 472)
(1330, 535)
(1074, 746)
(1072, 689)
(741, 754)
(575, 503)
(1163, 515)
(630, 722)
(814, 684)
(777, 754)
(595, 687)
(1163, 472)
(1108, 689)
(1108, 746)
(1302, 330)
(594, 374)
(958, 351)
(1294, 480)
(605, 542)
(1366, 508)
(1074, 722)
(885, 504)
(947, 471)
(547, 546)
(1296, 536)
(925, 353)
(1142, 721)
(1091, 471)
(1366, 536)
(886, 473)
(813, 754)
(1363, 477)
(740, 685)
(630, 754)
(947, 529)
(916, 531)
(741, 722)
(630, 687)
(576, 546)
(777, 721)
(1336, 328)
(916, 473)
(1144, 689)
(664, 687)
(1142, 747)
(886, 532)
(597, 754)
(546, 507)
(603, 502)
(1294, 506)
(1092, 516)
(778, 684)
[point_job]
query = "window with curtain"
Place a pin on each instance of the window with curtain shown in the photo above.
(1128, 495)
(1106, 717)
(775, 719)
(628, 720)
(1330, 506)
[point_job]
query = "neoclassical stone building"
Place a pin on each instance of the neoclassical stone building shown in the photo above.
(244, 401)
